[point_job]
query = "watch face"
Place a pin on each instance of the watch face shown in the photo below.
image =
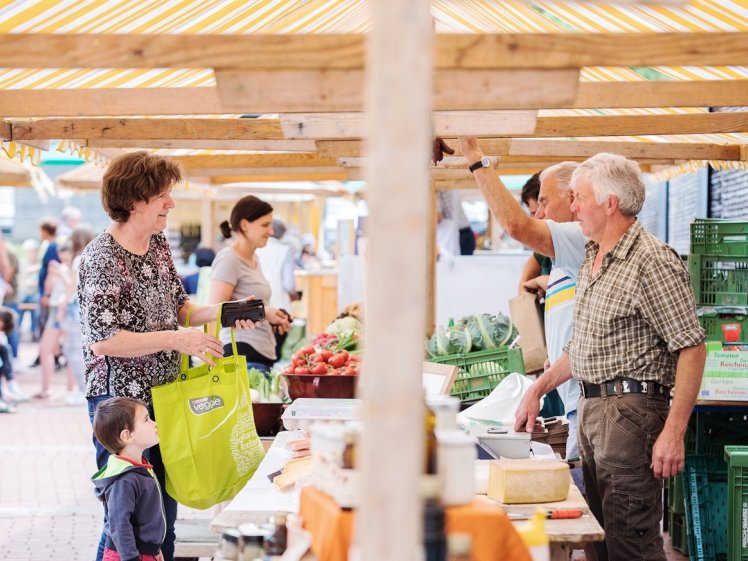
(485, 162)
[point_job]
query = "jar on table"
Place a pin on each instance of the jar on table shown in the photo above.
(228, 545)
(252, 542)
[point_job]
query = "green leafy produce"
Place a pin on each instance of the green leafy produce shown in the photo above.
(489, 332)
(449, 341)
(344, 327)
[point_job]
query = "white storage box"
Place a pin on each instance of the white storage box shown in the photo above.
(305, 411)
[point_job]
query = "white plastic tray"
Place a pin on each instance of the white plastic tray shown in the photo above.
(305, 411)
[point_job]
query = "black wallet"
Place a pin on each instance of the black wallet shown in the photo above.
(252, 310)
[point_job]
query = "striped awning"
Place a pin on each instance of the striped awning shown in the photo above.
(233, 17)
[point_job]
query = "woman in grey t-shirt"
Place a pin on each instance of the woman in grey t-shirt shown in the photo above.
(236, 274)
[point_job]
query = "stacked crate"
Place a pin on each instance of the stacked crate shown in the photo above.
(718, 265)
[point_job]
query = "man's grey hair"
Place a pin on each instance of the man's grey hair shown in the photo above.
(611, 174)
(562, 172)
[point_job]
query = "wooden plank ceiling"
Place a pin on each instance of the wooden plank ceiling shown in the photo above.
(240, 97)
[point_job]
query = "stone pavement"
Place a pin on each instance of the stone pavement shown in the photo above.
(47, 506)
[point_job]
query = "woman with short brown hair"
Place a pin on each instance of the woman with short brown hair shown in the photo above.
(132, 302)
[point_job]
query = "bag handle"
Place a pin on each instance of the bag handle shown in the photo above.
(185, 357)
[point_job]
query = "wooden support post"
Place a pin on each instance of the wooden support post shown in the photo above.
(208, 230)
(431, 252)
(398, 101)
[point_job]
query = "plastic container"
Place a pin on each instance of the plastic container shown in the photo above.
(719, 237)
(303, 412)
(481, 371)
(455, 460)
(706, 513)
(719, 281)
(327, 386)
(534, 536)
(737, 502)
(727, 328)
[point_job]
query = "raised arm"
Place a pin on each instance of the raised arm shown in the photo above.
(530, 231)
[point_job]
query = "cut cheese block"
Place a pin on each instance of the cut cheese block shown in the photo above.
(528, 481)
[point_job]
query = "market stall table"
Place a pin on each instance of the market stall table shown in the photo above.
(260, 499)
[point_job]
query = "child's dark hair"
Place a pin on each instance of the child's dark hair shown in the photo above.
(111, 418)
(8, 318)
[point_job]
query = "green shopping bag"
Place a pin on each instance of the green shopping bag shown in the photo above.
(207, 433)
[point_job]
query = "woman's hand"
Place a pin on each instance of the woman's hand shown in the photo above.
(279, 319)
(196, 343)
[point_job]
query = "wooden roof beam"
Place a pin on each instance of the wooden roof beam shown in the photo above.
(127, 102)
(180, 144)
(331, 126)
(131, 129)
(445, 124)
(270, 129)
(348, 51)
(300, 160)
(292, 91)
(282, 175)
(298, 173)
(5, 130)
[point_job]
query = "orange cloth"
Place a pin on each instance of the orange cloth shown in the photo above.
(493, 534)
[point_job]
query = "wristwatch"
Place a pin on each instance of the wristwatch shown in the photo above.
(484, 162)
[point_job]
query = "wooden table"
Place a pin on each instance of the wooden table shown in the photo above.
(567, 534)
(251, 505)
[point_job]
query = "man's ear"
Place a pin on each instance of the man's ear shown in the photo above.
(613, 204)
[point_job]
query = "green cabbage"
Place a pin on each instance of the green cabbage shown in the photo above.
(489, 332)
(449, 341)
(344, 327)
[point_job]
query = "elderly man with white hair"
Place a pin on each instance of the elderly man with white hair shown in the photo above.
(635, 337)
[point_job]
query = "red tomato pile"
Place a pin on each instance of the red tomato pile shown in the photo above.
(308, 360)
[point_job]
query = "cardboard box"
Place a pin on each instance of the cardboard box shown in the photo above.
(528, 318)
(725, 375)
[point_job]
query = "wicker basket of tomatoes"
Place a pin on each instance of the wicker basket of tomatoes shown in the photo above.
(322, 373)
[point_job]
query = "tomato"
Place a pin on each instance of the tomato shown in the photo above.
(326, 355)
(345, 354)
(319, 369)
(301, 370)
(299, 361)
(354, 358)
(306, 351)
(317, 358)
(288, 369)
(349, 371)
(337, 360)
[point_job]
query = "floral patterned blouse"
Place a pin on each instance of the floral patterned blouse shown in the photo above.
(139, 293)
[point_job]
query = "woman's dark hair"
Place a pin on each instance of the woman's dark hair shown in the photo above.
(531, 189)
(111, 418)
(249, 208)
(134, 177)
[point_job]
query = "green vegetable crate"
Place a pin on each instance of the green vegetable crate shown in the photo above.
(737, 502)
(719, 237)
(718, 280)
(480, 372)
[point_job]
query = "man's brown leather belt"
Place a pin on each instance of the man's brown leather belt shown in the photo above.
(622, 386)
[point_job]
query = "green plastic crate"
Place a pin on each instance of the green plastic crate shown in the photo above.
(678, 533)
(718, 326)
(737, 502)
(676, 500)
(705, 480)
(719, 237)
(480, 372)
(719, 281)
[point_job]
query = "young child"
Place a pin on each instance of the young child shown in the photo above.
(135, 526)
(7, 324)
